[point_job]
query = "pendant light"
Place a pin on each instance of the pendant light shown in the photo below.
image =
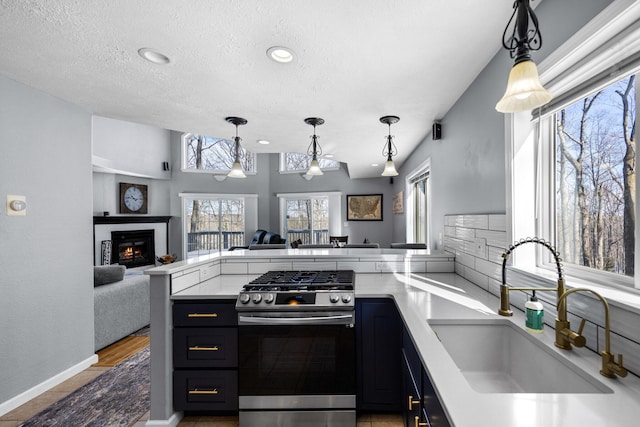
(524, 90)
(389, 150)
(236, 169)
(314, 149)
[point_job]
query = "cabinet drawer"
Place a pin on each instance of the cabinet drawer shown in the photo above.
(205, 390)
(205, 347)
(205, 313)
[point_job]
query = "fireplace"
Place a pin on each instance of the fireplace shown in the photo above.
(133, 248)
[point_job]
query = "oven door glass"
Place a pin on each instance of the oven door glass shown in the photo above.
(296, 360)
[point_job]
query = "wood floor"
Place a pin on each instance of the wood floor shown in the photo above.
(112, 355)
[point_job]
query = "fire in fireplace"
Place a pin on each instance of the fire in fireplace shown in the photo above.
(133, 248)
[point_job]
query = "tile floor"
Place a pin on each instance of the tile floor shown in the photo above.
(31, 408)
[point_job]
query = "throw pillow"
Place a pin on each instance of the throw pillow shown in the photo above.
(105, 274)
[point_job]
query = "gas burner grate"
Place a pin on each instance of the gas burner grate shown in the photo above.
(314, 278)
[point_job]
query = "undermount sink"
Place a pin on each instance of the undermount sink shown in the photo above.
(496, 356)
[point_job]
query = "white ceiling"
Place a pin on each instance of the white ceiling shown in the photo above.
(355, 61)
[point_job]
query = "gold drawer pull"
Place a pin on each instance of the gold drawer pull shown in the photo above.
(198, 348)
(208, 392)
(418, 423)
(202, 315)
(412, 402)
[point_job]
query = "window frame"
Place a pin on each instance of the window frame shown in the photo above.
(282, 164)
(185, 155)
(250, 214)
(335, 209)
(574, 70)
(424, 169)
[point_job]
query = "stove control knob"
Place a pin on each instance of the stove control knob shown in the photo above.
(346, 298)
(334, 298)
(244, 298)
(257, 298)
(268, 298)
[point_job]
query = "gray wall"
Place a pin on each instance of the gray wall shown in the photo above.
(46, 278)
(468, 163)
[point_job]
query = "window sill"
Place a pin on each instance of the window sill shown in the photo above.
(618, 296)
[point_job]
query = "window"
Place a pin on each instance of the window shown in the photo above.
(307, 220)
(310, 217)
(215, 222)
(594, 142)
(297, 162)
(572, 168)
(208, 154)
(418, 204)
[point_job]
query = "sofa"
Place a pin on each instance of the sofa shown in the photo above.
(121, 303)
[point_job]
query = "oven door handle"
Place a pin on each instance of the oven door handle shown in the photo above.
(345, 319)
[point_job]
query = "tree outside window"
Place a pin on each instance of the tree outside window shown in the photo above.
(206, 153)
(298, 162)
(213, 224)
(595, 179)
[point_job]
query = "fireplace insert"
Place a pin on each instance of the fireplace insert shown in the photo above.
(133, 248)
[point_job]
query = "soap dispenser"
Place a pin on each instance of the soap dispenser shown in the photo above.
(534, 313)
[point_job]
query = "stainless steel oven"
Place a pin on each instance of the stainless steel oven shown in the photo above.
(297, 352)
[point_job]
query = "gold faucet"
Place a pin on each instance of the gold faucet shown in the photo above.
(565, 337)
(609, 367)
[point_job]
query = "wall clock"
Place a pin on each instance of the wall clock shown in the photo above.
(133, 198)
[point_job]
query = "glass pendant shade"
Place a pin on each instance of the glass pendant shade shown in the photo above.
(314, 168)
(389, 169)
(236, 171)
(524, 90)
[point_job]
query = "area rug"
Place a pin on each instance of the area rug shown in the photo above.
(118, 397)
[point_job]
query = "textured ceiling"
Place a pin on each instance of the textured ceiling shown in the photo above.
(355, 61)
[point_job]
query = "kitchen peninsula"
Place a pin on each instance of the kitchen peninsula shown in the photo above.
(425, 289)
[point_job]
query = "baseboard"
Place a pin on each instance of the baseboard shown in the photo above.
(173, 421)
(37, 390)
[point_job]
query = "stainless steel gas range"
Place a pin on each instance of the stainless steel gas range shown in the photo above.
(297, 349)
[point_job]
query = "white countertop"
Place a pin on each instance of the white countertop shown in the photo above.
(423, 296)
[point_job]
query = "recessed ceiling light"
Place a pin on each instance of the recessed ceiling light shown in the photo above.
(154, 56)
(264, 142)
(280, 54)
(374, 164)
(328, 156)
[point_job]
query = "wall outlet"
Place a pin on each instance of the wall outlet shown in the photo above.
(479, 247)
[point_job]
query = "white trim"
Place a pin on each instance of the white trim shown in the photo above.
(216, 196)
(173, 421)
(335, 209)
(46, 385)
(608, 39)
(312, 193)
(409, 202)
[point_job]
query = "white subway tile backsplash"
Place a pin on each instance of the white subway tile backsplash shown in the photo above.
(498, 222)
(476, 221)
(438, 267)
(449, 231)
(465, 233)
(465, 259)
(477, 278)
(494, 238)
(489, 269)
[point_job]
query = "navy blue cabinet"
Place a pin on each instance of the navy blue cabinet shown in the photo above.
(422, 407)
(205, 356)
(378, 355)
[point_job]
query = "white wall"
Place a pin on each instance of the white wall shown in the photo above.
(46, 278)
(130, 148)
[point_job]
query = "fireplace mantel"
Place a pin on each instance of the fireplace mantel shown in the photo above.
(129, 219)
